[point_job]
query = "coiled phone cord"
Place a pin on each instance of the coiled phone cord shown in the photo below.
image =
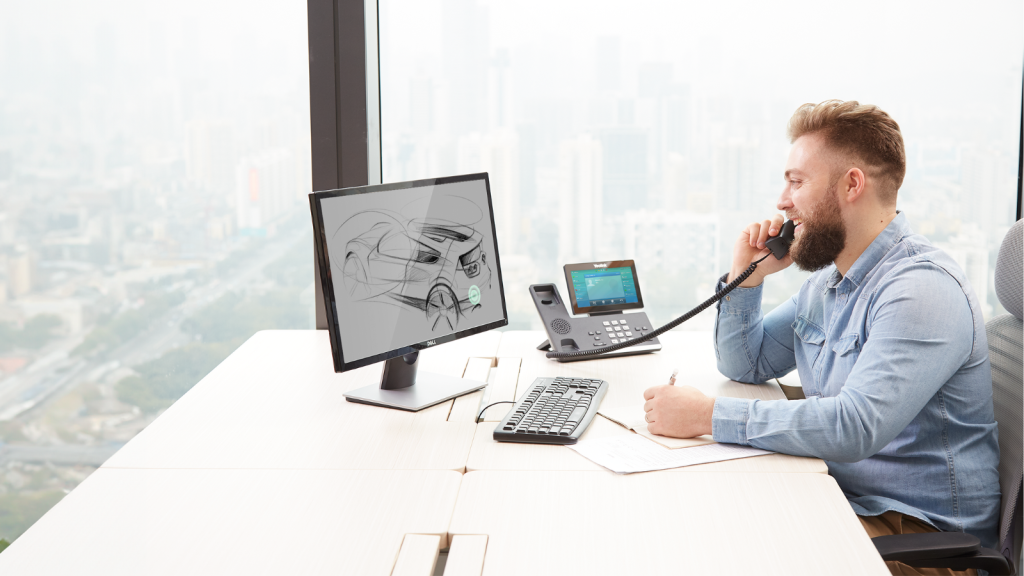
(654, 334)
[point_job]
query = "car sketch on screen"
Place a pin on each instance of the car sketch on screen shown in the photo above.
(435, 265)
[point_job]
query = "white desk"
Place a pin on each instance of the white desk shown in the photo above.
(276, 402)
(263, 467)
(715, 523)
(692, 352)
(245, 522)
(487, 454)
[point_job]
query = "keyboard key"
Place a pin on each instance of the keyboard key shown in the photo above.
(609, 329)
(614, 341)
(577, 415)
(629, 333)
(605, 323)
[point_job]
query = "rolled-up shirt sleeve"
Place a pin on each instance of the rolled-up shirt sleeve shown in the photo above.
(750, 347)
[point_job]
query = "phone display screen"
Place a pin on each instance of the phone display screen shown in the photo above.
(603, 286)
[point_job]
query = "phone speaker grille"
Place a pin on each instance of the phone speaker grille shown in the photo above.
(560, 326)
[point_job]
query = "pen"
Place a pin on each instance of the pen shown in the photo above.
(672, 378)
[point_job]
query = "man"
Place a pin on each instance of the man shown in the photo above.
(886, 335)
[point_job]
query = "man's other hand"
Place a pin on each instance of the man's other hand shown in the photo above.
(750, 246)
(678, 411)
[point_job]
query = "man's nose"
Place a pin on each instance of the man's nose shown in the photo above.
(785, 201)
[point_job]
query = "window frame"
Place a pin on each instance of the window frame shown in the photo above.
(344, 102)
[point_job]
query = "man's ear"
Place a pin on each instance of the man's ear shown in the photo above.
(853, 185)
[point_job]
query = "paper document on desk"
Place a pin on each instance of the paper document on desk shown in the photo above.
(628, 453)
(632, 418)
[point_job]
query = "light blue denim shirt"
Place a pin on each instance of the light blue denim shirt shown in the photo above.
(894, 364)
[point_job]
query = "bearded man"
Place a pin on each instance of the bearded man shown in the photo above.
(886, 335)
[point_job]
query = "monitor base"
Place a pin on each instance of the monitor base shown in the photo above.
(429, 389)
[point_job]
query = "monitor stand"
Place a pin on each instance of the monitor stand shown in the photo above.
(404, 388)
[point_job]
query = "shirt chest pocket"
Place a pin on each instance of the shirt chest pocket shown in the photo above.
(835, 369)
(810, 339)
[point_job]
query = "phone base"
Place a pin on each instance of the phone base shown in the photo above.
(589, 333)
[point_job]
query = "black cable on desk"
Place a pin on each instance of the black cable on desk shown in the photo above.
(481, 414)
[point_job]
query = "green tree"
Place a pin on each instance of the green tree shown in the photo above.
(19, 510)
(36, 332)
(221, 326)
(232, 317)
(161, 382)
(294, 269)
(129, 323)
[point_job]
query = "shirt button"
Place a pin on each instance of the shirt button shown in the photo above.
(727, 297)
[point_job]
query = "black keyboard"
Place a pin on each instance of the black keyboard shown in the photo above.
(552, 411)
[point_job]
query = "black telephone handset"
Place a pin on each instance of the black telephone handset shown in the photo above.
(779, 247)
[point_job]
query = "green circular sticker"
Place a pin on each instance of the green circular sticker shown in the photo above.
(474, 295)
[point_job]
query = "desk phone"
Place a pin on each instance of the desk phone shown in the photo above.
(602, 291)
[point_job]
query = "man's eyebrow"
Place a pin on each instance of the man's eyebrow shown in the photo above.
(792, 171)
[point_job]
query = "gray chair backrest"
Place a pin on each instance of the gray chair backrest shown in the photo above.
(1006, 353)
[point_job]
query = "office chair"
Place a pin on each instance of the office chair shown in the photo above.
(957, 550)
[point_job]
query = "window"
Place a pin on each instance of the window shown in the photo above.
(154, 161)
(656, 130)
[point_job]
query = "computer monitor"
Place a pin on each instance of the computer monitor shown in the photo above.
(405, 267)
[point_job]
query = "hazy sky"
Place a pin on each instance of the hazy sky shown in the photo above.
(924, 56)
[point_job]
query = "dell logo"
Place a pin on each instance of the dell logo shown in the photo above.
(431, 342)
(604, 265)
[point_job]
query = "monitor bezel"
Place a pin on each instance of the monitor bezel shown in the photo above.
(570, 268)
(327, 282)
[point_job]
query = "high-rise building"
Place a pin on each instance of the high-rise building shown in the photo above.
(608, 64)
(673, 241)
(421, 105)
(21, 273)
(464, 42)
(264, 189)
(581, 194)
(735, 175)
(209, 155)
(677, 120)
(497, 153)
(970, 250)
(499, 107)
(625, 169)
(675, 182)
(987, 180)
(6, 165)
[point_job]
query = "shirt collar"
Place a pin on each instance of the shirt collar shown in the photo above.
(878, 248)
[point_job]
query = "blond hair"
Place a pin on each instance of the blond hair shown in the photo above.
(861, 133)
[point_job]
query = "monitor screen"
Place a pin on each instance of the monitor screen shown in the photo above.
(411, 265)
(603, 286)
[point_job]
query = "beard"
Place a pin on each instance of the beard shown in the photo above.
(823, 236)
